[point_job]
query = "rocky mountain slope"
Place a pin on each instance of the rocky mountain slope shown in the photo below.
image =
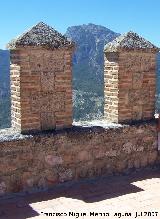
(4, 89)
(4, 73)
(88, 58)
(88, 63)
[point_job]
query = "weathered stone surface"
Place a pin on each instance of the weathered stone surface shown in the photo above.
(41, 35)
(3, 188)
(137, 163)
(27, 180)
(144, 161)
(112, 153)
(152, 156)
(48, 121)
(53, 160)
(65, 175)
(130, 86)
(43, 160)
(42, 184)
(128, 147)
(83, 156)
(130, 41)
(47, 81)
(41, 88)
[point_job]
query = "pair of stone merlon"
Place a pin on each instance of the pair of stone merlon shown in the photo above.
(44, 35)
(41, 75)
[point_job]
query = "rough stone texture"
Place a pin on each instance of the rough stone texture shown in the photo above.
(41, 88)
(41, 35)
(43, 160)
(128, 196)
(130, 80)
(130, 41)
(41, 80)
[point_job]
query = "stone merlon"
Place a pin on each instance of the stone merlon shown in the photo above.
(41, 35)
(130, 41)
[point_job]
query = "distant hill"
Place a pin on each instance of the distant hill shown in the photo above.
(88, 63)
(88, 58)
(4, 89)
(4, 73)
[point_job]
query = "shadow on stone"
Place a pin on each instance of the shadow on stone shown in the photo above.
(89, 191)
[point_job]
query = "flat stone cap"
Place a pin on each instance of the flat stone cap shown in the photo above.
(130, 41)
(41, 35)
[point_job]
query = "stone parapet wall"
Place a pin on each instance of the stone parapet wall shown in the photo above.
(41, 96)
(43, 160)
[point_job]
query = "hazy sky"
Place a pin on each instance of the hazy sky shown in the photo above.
(141, 16)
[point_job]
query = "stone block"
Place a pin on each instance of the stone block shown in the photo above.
(47, 81)
(83, 156)
(152, 156)
(48, 121)
(53, 160)
(3, 188)
(65, 175)
(137, 80)
(137, 112)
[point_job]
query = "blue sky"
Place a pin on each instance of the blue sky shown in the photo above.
(141, 16)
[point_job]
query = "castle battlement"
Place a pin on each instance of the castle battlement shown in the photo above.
(44, 147)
